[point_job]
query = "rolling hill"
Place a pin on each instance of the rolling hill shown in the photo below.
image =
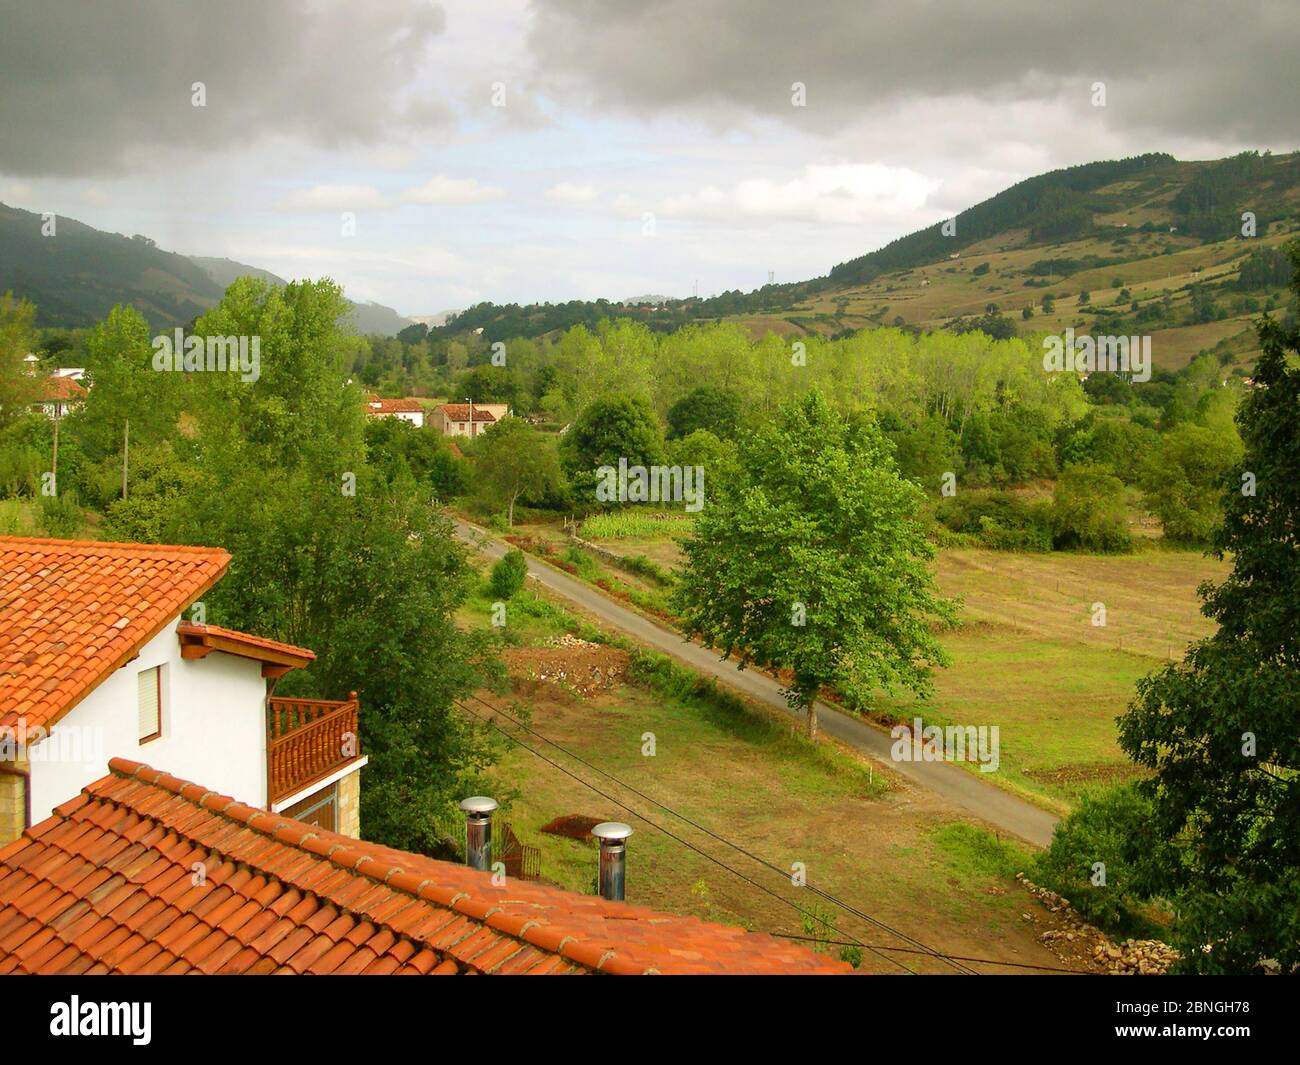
(77, 275)
(1149, 245)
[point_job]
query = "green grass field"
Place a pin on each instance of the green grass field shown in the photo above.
(744, 774)
(1029, 659)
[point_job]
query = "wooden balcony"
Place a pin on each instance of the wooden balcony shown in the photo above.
(306, 741)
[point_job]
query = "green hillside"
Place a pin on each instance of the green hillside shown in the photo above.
(76, 276)
(1149, 245)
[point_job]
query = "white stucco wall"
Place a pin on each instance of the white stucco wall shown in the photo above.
(213, 728)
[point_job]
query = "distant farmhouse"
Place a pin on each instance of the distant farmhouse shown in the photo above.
(407, 410)
(468, 419)
(60, 394)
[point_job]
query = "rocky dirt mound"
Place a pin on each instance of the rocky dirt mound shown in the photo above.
(577, 666)
(1078, 941)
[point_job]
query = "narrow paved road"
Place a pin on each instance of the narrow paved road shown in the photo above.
(987, 801)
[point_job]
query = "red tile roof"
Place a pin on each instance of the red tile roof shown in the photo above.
(375, 405)
(106, 885)
(72, 612)
(62, 389)
(459, 412)
(215, 638)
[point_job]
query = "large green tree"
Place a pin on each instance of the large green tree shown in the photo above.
(811, 558)
(607, 430)
(706, 407)
(1220, 731)
(512, 460)
(1183, 480)
(328, 552)
(18, 388)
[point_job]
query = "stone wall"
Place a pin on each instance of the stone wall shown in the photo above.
(13, 801)
(348, 806)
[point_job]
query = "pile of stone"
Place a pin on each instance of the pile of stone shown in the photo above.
(1133, 957)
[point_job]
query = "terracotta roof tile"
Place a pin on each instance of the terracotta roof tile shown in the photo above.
(459, 412)
(252, 646)
(375, 405)
(105, 884)
(72, 612)
(61, 389)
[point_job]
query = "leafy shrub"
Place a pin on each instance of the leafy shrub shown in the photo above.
(999, 520)
(1088, 511)
(648, 568)
(61, 517)
(509, 574)
(583, 563)
(1109, 828)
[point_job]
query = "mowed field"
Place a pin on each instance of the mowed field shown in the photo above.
(1029, 659)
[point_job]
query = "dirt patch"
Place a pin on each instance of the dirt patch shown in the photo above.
(572, 826)
(577, 666)
(1092, 773)
(533, 545)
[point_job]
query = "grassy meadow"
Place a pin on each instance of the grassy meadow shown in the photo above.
(1028, 657)
(743, 773)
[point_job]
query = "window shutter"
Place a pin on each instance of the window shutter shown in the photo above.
(148, 703)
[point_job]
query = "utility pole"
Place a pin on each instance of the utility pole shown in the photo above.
(470, 401)
(55, 464)
(126, 446)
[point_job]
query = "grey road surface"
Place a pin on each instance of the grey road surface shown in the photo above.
(986, 801)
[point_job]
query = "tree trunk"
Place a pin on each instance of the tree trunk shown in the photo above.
(812, 719)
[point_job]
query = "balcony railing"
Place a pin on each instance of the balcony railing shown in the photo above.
(307, 740)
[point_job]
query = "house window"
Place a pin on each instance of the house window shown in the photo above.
(149, 703)
(317, 809)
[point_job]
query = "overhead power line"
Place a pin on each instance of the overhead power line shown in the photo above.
(784, 874)
(673, 836)
(920, 949)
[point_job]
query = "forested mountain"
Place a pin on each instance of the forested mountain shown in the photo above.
(1151, 221)
(78, 274)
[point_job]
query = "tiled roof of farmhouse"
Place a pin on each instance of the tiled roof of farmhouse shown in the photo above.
(108, 885)
(459, 412)
(72, 612)
(375, 405)
(61, 389)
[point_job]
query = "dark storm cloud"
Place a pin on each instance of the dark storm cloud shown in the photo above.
(104, 87)
(1212, 70)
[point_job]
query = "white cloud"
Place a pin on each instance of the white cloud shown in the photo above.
(455, 191)
(568, 192)
(841, 193)
(334, 198)
(16, 192)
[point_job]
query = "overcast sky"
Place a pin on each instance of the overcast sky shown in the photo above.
(556, 149)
